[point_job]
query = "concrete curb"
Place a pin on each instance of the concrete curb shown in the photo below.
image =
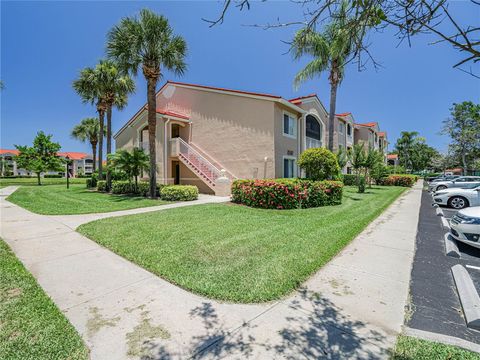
(451, 248)
(446, 224)
(439, 211)
(468, 296)
(440, 338)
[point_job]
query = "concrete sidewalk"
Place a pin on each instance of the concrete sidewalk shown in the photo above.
(351, 308)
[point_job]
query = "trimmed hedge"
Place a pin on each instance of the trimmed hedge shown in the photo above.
(91, 182)
(179, 192)
(399, 180)
(286, 193)
(53, 176)
(351, 179)
(101, 185)
(127, 187)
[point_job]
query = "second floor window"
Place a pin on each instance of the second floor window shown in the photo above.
(289, 126)
(341, 128)
(349, 130)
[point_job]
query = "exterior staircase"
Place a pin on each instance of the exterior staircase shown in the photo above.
(197, 163)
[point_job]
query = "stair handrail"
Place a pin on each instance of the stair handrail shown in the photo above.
(206, 162)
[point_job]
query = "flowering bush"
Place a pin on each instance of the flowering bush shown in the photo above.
(286, 193)
(399, 180)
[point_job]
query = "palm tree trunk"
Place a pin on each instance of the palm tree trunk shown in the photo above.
(152, 126)
(464, 163)
(333, 104)
(94, 154)
(101, 115)
(109, 144)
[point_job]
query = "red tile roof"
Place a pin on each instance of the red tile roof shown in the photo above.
(6, 151)
(369, 124)
(392, 156)
(223, 89)
(298, 100)
(382, 133)
(344, 114)
(73, 155)
(171, 113)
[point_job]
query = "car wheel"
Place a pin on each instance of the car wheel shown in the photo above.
(441, 187)
(458, 202)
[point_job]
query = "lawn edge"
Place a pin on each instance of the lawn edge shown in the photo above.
(404, 191)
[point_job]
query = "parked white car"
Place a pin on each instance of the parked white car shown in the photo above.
(461, 182)
(458, 198)
(465, 226)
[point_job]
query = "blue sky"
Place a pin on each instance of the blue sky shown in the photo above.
(45, 44)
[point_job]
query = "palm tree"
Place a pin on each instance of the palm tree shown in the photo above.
(147, 42)
(330, 50)
(115, 88)
(88, 130)
(89, 87)
(131, 163)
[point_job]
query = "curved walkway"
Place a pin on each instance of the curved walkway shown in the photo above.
(351, 308)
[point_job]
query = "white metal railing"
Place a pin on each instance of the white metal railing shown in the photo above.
(178, 147)
(312, 143)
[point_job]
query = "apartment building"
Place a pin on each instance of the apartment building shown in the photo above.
(80, 164)
(204, 133)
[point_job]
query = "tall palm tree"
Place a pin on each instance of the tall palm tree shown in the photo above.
(115, 88)
(88, 130)
(89, 87)
(331, 50)
(147, 42)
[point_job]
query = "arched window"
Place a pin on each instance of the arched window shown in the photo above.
(313, 128)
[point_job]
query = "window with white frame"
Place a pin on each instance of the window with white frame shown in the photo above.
(289, 125)
(288, 167)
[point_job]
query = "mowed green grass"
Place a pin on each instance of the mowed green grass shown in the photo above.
(58, 200)
(31, 326)
(240, 254)
(409, 348)
(4, 182)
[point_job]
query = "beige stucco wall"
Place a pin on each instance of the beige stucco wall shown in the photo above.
(284, 145)
(234, 131)
(128, 139)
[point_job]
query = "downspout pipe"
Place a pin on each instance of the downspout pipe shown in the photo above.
(165, 153)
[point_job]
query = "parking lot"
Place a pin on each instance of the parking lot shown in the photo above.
(435, 303)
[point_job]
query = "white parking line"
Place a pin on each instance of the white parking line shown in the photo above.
(473, 267)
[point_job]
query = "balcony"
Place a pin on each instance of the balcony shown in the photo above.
(312, 143)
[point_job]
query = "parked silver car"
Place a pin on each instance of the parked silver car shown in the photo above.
(465, 226)
(461, 182)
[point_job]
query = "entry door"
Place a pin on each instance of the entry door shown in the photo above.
(176, 173)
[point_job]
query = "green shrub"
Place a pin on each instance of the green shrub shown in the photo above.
(101, 185)
(286, 193)
(144, 188)
(361, 184)
(179, 192)
(52, 176)
(319, 163)
(18, 177)
(123, 187)
(399, 180)
(91, 182)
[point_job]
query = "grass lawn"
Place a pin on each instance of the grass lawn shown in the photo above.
(240, 254)
(33, 181)
(409, 348)
(58, 200)
(31, 326)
